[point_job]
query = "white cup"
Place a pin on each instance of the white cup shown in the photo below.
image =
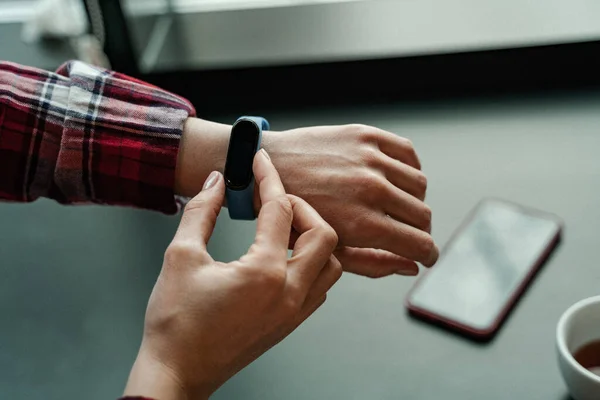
(578, 326)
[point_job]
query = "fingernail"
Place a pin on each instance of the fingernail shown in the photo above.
(211, 180)
(265, 154)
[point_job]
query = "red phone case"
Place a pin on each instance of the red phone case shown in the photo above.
(489, 332)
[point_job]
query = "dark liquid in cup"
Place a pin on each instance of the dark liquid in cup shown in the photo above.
(589, 356)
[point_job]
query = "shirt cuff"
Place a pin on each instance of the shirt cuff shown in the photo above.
(120, 140)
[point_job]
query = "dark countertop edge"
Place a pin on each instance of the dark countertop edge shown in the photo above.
(481, 73)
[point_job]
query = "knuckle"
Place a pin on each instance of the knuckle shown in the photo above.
(181, 251)
(412, 152)
(422, 182)
(321, 301)
(426, 216)
(291, 305)
(281, 210)
(353, 226)
(426, 245)
(357, 128)
(195, 204)
(370, 186)
(361, 131)
(283, 206)
(336, 270)
(371, 157)
(328, 236)
(363, 227)
(272, 276)
(409, 144)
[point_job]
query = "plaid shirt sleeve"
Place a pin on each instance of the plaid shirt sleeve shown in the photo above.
(88, 135)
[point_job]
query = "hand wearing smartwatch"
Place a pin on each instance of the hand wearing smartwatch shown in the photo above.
(365, 182)
(244, 142)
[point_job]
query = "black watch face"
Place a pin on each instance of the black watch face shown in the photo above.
(240, 155)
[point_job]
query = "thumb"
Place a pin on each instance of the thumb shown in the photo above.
(200, 214)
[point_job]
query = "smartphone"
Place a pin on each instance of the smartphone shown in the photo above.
(485, 267)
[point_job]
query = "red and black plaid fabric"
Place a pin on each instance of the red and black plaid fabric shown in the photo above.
(88, 135)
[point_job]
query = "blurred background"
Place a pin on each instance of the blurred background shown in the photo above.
(501, 98)
(343, 50)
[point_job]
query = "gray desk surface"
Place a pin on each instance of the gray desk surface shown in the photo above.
(74, 280)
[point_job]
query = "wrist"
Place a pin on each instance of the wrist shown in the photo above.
(151, 378)
(203, 149)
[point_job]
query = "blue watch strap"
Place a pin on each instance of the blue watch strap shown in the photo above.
(262, 123)
(241, 202)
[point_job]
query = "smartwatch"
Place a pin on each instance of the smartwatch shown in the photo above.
(244, 142)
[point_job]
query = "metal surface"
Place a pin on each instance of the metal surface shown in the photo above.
(205, 34)
(74, 280)
(317, 31)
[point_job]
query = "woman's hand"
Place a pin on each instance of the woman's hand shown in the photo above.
(207, 320)
(365, 182)
(368, 185)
